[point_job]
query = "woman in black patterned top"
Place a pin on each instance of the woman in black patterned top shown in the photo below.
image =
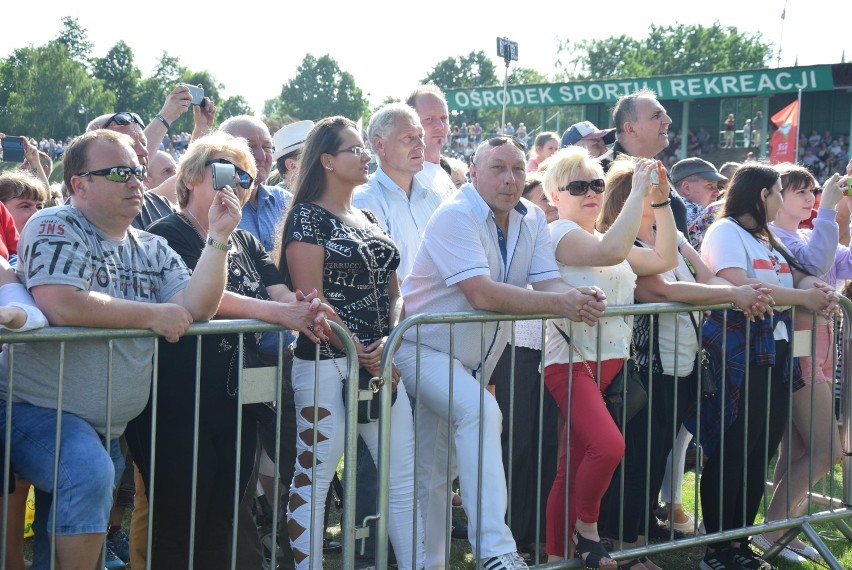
(254, 289)
(339, 250)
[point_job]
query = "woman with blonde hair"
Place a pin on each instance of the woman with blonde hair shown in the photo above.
(254, 289)
(574, 184)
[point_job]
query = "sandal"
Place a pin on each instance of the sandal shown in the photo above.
(593, 550)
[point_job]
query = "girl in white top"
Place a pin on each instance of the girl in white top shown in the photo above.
(675, 344)
(740, 248)
(574, 184)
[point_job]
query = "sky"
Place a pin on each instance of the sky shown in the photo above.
(390, 46)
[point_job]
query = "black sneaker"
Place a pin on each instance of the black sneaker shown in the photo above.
(747, 558)
(718, 560)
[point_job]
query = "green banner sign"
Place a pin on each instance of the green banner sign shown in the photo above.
(733, 84)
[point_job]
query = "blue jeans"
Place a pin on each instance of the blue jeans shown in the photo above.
(87, 473)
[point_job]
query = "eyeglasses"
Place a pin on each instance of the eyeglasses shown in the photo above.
(357, 150)
(581, 187)
(118, 173)
(244, 178)
(500, 141)
(124, 118)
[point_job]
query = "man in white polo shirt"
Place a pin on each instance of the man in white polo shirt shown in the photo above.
(401, 203)
(480, 250)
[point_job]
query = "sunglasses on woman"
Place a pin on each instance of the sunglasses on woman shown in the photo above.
(118, 173)
(581, 187)
(244, 178)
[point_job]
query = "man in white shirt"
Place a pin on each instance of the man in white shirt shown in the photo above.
(431, 106)
(480, 250)
(402, 204)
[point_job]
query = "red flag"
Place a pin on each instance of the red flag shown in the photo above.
(784, 138)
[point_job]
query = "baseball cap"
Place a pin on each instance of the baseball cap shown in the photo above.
(587, 130)
(290, 137)
(695, 166)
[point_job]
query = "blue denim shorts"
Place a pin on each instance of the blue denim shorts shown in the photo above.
(86, 472)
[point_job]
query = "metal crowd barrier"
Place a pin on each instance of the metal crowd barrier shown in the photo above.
(255, 385)
(836, 509)
(262, 385)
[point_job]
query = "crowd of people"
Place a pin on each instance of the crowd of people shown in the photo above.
(567, 226)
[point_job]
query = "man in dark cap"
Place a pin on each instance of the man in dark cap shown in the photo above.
(697, 183)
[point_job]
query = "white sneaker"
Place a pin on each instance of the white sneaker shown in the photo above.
(808, 552)
(509, 561)
(787, 553)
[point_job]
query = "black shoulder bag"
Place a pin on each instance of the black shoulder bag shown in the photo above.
(626, 394)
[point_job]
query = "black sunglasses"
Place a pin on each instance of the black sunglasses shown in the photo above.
(244, 178)
(501, 140)
(124, 118)
(581, 187)
(118, 173)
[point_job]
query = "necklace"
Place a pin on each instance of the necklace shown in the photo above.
(200, 225)
(189, 223)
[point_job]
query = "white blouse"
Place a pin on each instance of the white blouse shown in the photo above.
(617, 282)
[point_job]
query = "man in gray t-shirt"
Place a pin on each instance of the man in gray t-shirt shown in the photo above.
(86, 266)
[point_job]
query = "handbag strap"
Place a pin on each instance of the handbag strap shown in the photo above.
(585, 362)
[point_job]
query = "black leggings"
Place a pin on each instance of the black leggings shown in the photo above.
(734, 476)
(640, 451)
(217, 461)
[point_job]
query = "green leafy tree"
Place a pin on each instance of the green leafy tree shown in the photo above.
(321, 89)
(119, 75)
(667, 50)
(525, 76)
(44, 92)
(75, 38)
(153, 90)
(472, 70)
(233, 106)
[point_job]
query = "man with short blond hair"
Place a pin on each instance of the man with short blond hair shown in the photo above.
(431, 106)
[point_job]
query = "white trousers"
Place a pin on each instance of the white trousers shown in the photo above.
(329, 450)
(437, 424)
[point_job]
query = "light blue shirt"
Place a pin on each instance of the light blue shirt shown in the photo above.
(265, 221)
(403, 218)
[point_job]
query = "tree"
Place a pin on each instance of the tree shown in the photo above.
(154, 89)
(233, 106)
(472, 70)
(321, 89)
(75, 38)
(43, 91)
(525, 76)
(120, 75)
(667, 50)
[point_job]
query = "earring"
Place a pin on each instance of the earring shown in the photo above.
(329, 168)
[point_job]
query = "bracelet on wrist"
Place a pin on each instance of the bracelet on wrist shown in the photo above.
(661, 204)
(218, 244)
(160, 118)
